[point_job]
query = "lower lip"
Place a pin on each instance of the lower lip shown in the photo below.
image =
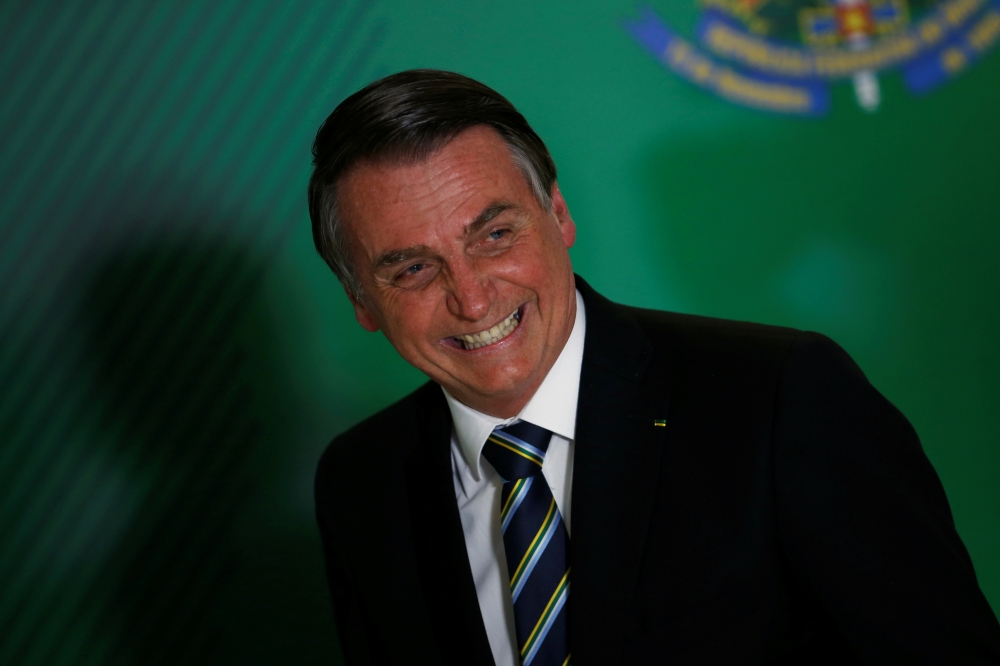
(522, 311)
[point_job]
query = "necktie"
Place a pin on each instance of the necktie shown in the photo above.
(535, 542)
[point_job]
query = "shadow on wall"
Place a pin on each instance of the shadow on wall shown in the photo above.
(206, 570)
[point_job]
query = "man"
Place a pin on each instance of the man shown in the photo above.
(583, 482)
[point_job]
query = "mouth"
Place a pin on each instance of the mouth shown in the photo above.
(490, 336)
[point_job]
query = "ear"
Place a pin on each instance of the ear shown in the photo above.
(566, 224)
(362, 313)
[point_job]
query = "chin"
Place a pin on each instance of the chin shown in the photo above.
(504, 387)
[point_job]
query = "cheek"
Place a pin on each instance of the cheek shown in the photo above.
(411, 323)
(528, 261)
(534, 271)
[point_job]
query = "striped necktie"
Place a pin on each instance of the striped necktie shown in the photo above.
(535, 542)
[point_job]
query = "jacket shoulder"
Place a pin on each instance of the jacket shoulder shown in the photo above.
(385, 431)
(760, 355)
(694, 336)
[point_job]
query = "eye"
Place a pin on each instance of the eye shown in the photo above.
(497, 234)
(409, 276)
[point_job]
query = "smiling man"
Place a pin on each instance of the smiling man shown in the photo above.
(463, 269)
(582, 482)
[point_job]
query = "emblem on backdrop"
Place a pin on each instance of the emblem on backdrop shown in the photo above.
(783, 55)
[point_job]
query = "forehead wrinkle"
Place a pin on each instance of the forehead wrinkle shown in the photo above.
(488, 214)
(412, 195)
(430, 189)
(427, 181)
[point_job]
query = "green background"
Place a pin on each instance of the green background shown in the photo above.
(174, 356)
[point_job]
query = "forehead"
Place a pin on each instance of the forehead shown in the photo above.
(388, 205)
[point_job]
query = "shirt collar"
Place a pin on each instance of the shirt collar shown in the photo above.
(553, 406)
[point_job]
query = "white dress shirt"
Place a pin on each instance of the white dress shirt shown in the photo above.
(478, 486)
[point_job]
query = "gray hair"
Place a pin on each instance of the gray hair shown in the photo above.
(335, 236)
(403, 119)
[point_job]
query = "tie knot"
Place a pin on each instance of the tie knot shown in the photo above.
(517, 451)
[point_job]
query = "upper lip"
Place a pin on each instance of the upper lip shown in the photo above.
(487, 328)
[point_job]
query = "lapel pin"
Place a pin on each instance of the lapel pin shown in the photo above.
(660, 422)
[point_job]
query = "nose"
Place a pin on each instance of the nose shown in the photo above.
(470, 292)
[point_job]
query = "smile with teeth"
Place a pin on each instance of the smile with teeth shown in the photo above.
(492, 335)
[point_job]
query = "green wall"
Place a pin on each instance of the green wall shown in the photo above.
(174, 357)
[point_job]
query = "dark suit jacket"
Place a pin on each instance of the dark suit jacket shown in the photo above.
(785, 513)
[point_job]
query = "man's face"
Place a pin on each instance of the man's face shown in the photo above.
(457, 246)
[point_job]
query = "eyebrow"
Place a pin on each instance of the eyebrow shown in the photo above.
(488, 214)
(393, 257)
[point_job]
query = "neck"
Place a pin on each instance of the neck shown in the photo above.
(500, 407)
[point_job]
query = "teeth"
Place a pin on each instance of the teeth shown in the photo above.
(493, 335)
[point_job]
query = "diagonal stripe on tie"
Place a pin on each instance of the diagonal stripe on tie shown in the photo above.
(513, 502)
(548, 529)
(535, 542)
(537, 636)
(519, 447)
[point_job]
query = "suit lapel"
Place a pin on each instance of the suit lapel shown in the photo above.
(445, 573)
(615, 471)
